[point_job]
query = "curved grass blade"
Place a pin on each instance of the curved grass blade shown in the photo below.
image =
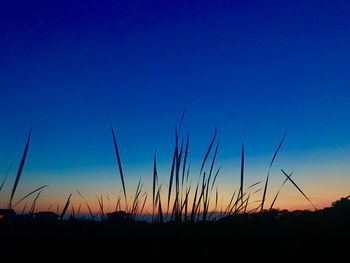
(36, 190)
(268, 173)
(20, 169)
(257, 191)
(34, 203)
(251, 186)
(119, 163)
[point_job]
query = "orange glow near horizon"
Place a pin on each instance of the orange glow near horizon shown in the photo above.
(289, 201)
(332, 183)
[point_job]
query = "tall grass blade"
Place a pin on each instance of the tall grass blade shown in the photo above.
(242, 172)
(119, 164)
(65, 207)
(193, 213)
(158, 200)
(207, 195)
(173, 167)
(155, 179)
(185, 160)
(268, 173)
(20, 169)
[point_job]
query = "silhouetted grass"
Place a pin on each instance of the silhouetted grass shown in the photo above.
(65, 207)
(268, 173)
(4, 180)
(26, 196)
(291, 180)
(186, 201)
(20, 169)
(31, 211)
(119, 165)
(275, 198)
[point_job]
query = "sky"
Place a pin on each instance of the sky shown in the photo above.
(255, 67)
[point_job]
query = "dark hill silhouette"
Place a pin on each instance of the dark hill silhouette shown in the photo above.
(276, 235)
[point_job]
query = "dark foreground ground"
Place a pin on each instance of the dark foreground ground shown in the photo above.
(310, 237)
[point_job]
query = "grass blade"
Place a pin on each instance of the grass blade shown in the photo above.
(20, 169)
(34, 203)
(24, 209)
(213, 183)
(291, 180)
(7, 173)
(36, 190)
(208, 151)
(155, 182)
(65, 207)
(119, 164)
(242, 171)
(251, 186)
(87, 204)
(173, 168)
(185, 160)
(274, 200)
(268, 173)
(193, 213)
(207, 195)
(155, 179)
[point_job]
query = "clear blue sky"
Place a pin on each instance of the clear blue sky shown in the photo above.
(259, 67)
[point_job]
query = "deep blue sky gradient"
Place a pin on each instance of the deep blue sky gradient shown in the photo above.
(259, 67)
